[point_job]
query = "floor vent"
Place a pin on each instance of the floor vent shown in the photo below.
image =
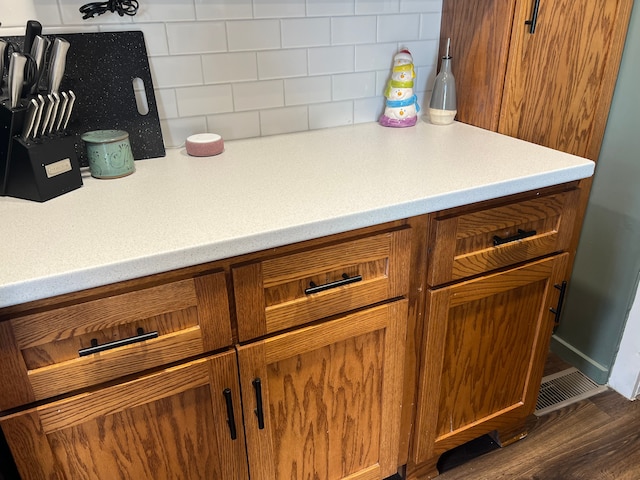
(564, 388)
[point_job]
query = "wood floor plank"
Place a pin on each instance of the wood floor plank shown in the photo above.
(595, 439)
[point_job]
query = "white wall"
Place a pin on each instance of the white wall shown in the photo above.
(246, 68)
(625, 374)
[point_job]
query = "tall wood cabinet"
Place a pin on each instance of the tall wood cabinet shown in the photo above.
(540, 70)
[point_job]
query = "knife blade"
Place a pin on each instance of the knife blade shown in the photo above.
(67, 115)
(57, 63)
(16, 77)
(29, 119)
(39, 52)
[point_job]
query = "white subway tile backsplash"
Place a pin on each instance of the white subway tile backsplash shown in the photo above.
(282, 63)
(278, 8)
(332, 114)
(176, 130)
(196, 37)
(330, 7)
(258, 95)
(232, 126)
(247, 68)
(284, 120)
(430, 25)
(307, 90)
(397, 28)
(421, 6)
(166, 10)
(167, 103)
(353, 30)
(253, 34)
(326, 60)
(223, 9)
(424, 52)
(377, 56)
(306, 32)
(230, 67)
(203, 100)
(176, 71)
(354, 85)
(365, 7)
(49, 13)
(367, 109)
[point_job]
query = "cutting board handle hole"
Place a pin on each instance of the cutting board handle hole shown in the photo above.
(141, 96)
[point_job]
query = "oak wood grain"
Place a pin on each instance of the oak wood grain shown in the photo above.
(332, 396)
(162, 426)
(270, 295)
(489, 338)
(463, 245)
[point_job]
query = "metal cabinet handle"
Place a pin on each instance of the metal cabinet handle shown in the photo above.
(518, 236)
(257, 385)
(346, 279)
(231, 419)
(558, 310)
(95, 348)
(534, 17)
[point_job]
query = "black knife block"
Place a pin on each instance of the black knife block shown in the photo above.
(38, 169)
(10, 125)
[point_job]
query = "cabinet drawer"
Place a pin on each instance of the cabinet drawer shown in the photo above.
(133, 331)
(480, 241)
(283, 292)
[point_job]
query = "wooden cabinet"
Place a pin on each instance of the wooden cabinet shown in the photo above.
(174, 423)
(487, 341)
(496, 274)
(324, 401)
(550, 83)
(52, 351)
(273, 294)
(318, 351)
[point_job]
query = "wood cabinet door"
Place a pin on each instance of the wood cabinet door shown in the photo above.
(328, 402)
(560, 79)
(167, 425)
(486, 341)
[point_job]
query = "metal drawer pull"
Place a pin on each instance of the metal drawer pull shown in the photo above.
(558, 310)
(534, 17)
(95, 348)
(518, 236)
(231, 419)
(258, 411)
(346, 280)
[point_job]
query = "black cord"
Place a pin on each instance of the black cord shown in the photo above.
(122, 7)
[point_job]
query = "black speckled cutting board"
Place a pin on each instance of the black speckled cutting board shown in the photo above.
(100, 70)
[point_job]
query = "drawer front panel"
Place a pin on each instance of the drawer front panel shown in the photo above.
(280, 293)
(121, 334)
(471, 244)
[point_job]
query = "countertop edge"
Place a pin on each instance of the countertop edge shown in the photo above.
(44, 287)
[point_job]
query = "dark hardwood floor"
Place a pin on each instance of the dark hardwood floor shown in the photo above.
(594, 439)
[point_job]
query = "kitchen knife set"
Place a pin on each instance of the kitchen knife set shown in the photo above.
(37, 158)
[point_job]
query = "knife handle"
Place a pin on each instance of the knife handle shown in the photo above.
(33, 28)
(57, 63)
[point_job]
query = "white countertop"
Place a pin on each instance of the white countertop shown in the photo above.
(179, 211)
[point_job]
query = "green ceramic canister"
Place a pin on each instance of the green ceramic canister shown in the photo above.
(109, 153)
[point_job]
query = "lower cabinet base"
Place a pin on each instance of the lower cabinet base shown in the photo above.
(503, 437)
